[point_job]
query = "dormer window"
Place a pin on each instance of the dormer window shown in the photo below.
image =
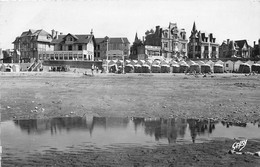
(165, 34)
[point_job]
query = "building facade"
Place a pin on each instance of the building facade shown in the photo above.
(30, 43)
(117, 47)
(71, 47)
(136, 48)
(256, 50)
(202, 45)
(239, 48)
(173, 41)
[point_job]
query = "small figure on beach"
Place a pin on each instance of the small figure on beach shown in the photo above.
(92, 69)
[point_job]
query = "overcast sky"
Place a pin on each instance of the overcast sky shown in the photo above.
(229, 19)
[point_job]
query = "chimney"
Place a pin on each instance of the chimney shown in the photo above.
(254, 43)
(227, 41)
(157, 30)
(61, 33)
(53, 33)
(56, 34)
(143, 39)
(91, 32)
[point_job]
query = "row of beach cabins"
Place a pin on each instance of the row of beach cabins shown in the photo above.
(157, 66)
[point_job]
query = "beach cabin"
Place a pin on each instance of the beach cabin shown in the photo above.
(156, 62)
(228, 66)
(155, 68)
(172, 62)
(236, 65)
(194, 68)
(220, 62)
(112, 66)
(256, 68)
(16, 68)
(127, 62)
(250, 62)
(141, 62)
(190, 62)
(146, 68)
(8, 68)
(218, 68)
(133, 62)
(129, 68)
(244, 68)
(175, 68)
(205, 68)
(199, 62)
(137, 68)
(119, 63)
(165, 68)
(184, 67)
(211, 64)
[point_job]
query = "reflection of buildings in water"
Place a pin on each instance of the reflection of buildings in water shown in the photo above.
(166, 128)
(200, 127)
(68, 123)
(137, 122)
(54, 125)
(227, 124)
(110, 122)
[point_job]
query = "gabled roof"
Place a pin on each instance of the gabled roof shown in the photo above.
(241, 43)
(114, 40)
(78, 38)
(35, 33)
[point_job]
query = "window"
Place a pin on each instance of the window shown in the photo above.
(79, 47)
(60, 47)
(98, 54)
(70, 47)
(98, 47)
(206, 48)
(165, 34)
(165, 45)
(226, 65)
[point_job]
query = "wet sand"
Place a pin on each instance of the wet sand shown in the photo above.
(228, 97)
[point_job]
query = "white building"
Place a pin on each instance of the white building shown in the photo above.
(71, 47)
(229, 66)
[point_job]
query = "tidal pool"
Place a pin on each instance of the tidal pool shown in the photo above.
(25, 137)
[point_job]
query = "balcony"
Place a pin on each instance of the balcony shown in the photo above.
(66, 55)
